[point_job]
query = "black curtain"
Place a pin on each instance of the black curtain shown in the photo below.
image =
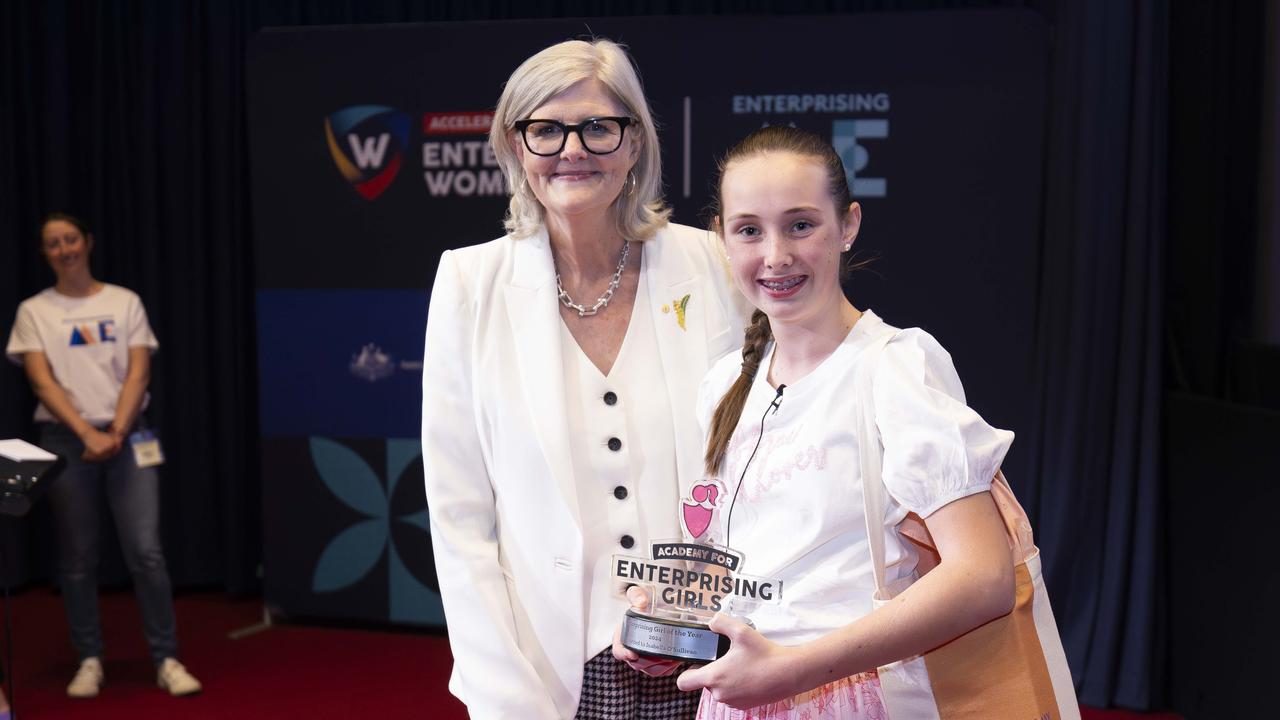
(1098, 501)
(1222, 409)
(1216, 151)
(132, 114)
(132, 117)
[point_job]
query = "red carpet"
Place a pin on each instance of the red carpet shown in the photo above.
(290, 672)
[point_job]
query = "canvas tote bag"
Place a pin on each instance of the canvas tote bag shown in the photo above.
(1011, 668)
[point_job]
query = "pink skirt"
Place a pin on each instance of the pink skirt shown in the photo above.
(853, 698)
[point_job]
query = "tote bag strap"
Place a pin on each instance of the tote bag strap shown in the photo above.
(874, 494)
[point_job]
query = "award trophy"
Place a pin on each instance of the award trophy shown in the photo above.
(689, 581)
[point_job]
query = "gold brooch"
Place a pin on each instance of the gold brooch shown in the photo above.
(680, 305)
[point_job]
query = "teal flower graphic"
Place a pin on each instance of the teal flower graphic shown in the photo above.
(354, 552)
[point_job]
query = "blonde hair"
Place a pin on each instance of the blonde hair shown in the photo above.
(638, 211)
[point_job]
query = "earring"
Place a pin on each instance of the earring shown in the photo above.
(847, 246)
(631, 182)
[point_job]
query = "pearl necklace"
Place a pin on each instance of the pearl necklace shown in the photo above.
(603, 301)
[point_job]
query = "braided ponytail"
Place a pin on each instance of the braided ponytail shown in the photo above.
(729, 411)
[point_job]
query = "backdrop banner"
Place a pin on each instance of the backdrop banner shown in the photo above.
(370, 158)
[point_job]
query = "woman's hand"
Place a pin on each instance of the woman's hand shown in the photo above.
(656, 667)
(755, 671)
(99, 446)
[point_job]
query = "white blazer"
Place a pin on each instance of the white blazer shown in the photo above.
(495, 449)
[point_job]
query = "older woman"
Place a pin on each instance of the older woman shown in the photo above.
(562, 361)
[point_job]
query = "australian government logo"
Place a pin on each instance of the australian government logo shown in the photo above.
(369, 143)
(859, 127)
(371, 363)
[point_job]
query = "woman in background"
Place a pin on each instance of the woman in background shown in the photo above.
(86, 347)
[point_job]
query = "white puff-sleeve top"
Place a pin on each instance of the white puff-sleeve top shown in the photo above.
(798, 513)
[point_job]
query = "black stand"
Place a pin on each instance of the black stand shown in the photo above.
(22, 484)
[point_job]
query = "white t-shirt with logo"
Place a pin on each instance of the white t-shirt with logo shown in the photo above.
(87, 341)
(799, 517)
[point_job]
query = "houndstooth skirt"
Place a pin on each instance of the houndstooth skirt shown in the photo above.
(611, 690)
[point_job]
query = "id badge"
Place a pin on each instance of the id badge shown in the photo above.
(146, 449)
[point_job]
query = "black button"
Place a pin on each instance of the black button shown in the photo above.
(627, 541)
(611, 398)
(620, 493)
(615, 444)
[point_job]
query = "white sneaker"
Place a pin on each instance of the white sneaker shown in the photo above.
(88, 679)
(172, 676)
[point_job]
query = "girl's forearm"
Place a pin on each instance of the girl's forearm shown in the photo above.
(939, 607)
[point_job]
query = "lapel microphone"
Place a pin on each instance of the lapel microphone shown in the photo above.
(777, 399)
(777, 403)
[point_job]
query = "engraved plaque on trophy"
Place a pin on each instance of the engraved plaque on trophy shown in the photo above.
(688, 580)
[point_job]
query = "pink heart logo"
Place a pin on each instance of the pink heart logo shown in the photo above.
(705, 493)
(696, 518)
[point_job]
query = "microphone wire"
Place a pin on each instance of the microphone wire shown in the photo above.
(777, 403)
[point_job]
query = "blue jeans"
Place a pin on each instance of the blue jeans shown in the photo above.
(133, 494)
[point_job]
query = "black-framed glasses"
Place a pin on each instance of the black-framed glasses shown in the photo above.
(598, 135)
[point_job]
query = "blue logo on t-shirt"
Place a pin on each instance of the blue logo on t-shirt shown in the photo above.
(84, 334)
